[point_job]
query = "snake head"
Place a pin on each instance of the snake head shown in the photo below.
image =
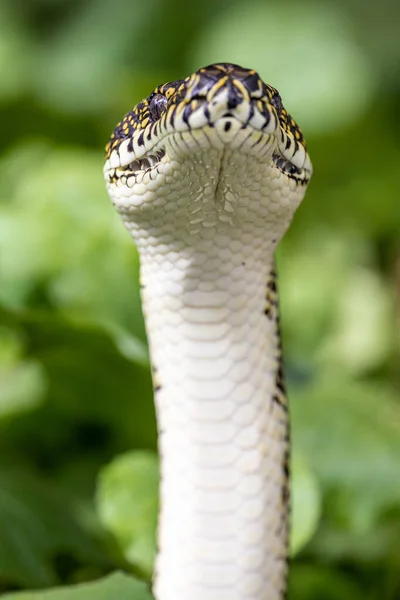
(200, 147)
(224, 97)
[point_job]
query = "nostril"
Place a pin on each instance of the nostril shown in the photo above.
(234, 96)
(233, 101)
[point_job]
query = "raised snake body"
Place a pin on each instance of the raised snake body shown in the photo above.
(207, 173)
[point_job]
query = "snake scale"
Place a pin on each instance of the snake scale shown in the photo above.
(207, 173)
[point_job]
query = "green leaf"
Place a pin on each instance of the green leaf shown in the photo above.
(91, 270)
(306, 504)
(127, 504)
(114, 587)
(22, 382)
(364, 334)
(325, 275)
(76, 61)
(88, 379)
(309, 582)
(22, 388)
(15, 54)
(349, 432)
(36, 523)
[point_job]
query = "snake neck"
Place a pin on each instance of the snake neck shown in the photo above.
(211, 314)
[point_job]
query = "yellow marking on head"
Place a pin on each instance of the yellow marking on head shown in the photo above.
(241, 87)
(260, 105)
(215, 88)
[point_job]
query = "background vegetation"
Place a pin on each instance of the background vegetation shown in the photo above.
(78, 469)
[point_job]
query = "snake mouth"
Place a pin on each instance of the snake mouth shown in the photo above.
(146, 163)
(288, 168)
(141, 157)
(291, 159)
(133, 172)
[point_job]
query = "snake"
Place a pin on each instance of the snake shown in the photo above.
(207, 173)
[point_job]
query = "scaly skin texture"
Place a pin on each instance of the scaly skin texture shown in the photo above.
(206, 219)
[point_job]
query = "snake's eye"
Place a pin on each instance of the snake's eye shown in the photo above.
(157, 106)
(276, 102)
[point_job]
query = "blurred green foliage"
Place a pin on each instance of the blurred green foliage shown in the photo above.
(114, 586)
(78, 469)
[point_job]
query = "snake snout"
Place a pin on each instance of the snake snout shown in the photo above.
(226, 90)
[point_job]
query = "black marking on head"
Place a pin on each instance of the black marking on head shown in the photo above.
(186, 113)
(235, 97)
(276, 102)
(158, 104)
(172, 115)
(267, 118)
(287, 167)
(251, 115)
(227, 127)
(252, 82)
